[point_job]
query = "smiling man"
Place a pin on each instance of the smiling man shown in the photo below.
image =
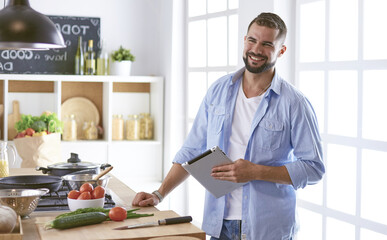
(268, 128)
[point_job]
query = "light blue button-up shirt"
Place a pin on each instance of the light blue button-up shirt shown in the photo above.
(284, 132)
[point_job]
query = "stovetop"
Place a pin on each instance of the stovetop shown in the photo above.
(57, 201)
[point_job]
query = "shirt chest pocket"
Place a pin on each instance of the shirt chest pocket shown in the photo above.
(216, 116)
(269, 134)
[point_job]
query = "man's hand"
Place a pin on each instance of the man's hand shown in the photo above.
(239, 171)
(143, 199)
(244, 171)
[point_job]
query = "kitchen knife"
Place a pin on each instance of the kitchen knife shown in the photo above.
(166, 221)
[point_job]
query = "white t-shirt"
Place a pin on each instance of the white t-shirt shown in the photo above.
(245, 109)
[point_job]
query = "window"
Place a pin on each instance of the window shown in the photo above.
(212, 49)
(341, 66)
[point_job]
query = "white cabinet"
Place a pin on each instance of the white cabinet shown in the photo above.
(111, 95)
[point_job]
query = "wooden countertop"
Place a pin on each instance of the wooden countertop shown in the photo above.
(122, 196)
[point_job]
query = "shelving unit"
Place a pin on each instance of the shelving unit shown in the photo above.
(111, 95)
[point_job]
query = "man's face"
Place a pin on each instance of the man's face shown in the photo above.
(261, 48)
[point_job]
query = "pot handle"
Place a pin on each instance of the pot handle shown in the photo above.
(105, 165)
(44, 190)
(44, 170)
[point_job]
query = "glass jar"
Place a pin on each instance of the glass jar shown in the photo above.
(146, 131)
(133, 127)
(118, 127)
(69, 128)
(90, 131)
(4, 166)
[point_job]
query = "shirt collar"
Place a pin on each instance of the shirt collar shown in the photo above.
(275, 83)
(237, 75)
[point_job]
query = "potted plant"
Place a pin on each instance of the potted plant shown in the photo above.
(122, 62)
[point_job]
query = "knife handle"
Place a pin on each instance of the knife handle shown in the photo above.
(175, 220)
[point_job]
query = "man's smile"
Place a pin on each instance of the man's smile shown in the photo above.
(256, 58)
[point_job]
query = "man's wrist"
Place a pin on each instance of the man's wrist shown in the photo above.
(159, 196)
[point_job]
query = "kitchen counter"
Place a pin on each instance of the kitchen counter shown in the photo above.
(122, 196)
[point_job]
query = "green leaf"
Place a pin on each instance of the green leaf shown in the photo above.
(122, 54)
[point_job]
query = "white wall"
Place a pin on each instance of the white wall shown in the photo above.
(135, 24)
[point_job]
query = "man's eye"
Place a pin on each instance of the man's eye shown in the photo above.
(267, 45)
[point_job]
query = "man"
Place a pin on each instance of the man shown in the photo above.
(269, 128)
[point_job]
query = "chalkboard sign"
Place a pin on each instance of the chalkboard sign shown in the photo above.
(54, 61)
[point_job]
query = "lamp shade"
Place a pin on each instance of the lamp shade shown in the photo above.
(21, 27)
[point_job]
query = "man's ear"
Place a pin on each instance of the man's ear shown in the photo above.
(282, 51)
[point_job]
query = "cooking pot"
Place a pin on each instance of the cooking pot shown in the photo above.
(73, 164)
(75, 181)
(53, 183)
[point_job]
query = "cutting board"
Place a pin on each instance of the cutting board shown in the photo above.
(105, 230)
(13, 118)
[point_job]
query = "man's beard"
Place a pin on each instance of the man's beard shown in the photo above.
(266, 66)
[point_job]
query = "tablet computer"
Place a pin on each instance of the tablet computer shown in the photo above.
(201, 166)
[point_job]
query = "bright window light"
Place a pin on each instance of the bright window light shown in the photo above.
(343, 31)
(312, 84)
(341, 157)
(196, 7)
(217, 41)
(373, 196)
(375, 35)
(342, 103)
(197, 40)
(374, 96)
(312, 32)
(217, 5)
(339, 230)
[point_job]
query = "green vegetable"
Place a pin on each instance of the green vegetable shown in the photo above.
(50, 121)
(39, 126)
(82, 219)
(122, 54)
(130, 213)
(25, 122)
(82, 210)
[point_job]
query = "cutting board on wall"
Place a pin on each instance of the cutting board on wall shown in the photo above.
(13, 118)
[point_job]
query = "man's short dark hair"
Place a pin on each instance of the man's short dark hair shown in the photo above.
(271, 20)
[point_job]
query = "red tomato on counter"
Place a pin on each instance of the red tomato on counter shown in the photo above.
(117, 214)
(98, 192)
(86, 187)
(84, 196)
(74, 194)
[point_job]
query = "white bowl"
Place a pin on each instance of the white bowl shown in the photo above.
(75, 204)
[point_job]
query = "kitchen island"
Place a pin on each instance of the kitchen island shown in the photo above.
(33, 226)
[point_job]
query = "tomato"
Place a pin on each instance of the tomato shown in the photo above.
(86, 187)
(30, 131)
(74, 194)
(84, 196)
(117, 214)
(98, 192)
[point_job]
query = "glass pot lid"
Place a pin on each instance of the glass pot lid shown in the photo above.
(73, 163)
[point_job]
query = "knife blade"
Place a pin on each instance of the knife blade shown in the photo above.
(166, 221)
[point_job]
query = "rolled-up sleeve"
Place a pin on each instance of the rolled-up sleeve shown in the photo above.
(307, 167)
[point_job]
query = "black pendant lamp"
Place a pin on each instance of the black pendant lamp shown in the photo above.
(21, 27)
